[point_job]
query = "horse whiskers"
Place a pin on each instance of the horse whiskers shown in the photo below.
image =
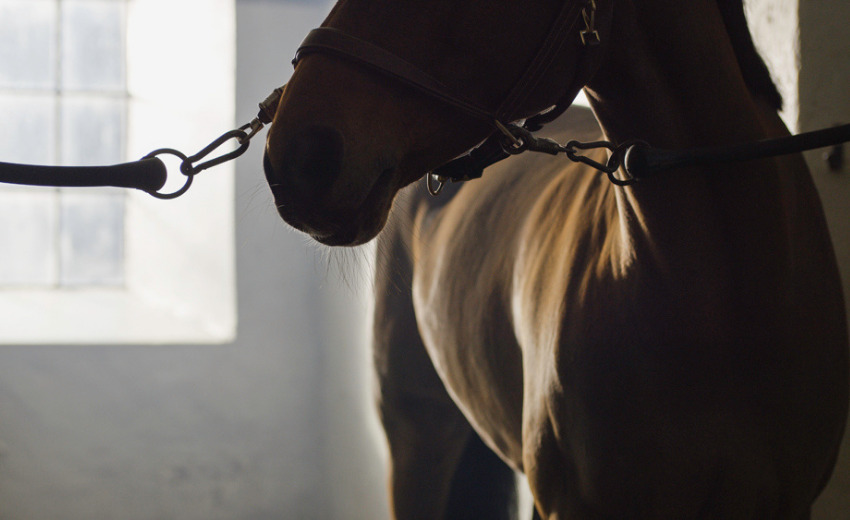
(392, 256)
(251, 196)
(353, 266)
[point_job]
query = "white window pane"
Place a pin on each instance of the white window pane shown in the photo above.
(27, 43)
(92, 130)
(92, 44)
(92, 239)
(27, 232)
(26, 132)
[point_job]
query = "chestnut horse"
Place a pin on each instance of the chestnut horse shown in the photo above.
(675, 349)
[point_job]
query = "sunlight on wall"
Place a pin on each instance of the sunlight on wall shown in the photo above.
(774, 25)
(581, 99)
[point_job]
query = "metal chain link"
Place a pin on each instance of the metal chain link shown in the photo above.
(189, 165)
(519, 139)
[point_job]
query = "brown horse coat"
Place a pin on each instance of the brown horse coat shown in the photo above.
(672, 350)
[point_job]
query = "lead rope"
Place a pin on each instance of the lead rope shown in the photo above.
(627, 163)
(148, 174)
(633, 160)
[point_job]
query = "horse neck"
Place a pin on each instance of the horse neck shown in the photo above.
(671, 78)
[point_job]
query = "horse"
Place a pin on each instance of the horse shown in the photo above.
(671, 349)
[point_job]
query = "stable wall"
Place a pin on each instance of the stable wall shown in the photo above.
(273, 425)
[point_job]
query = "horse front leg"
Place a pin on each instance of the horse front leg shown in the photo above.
(426, 445)
(440, 469)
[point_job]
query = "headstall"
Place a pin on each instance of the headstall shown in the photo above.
(510, 137)
(575, 24)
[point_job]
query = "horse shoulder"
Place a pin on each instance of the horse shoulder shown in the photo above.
(464, 254)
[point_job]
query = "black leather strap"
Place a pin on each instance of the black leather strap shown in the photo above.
(336, 42)
(333, 41)
(147, 175)
(562, 31)
(642, 161)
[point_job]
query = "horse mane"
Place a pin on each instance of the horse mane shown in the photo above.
(755, 72)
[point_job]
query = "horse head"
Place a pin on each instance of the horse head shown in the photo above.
(347, 136)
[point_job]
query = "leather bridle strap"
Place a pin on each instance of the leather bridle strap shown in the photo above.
(333, 41)
(563, 30)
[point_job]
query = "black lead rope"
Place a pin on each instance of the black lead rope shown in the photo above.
(642, 161)
(630, 161)
(627, 163)
(148, 174)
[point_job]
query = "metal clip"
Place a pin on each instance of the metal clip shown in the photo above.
(188, 166)
(268, 106)
(251, 129)
(589, 36)
(514, 144)
(435, 183)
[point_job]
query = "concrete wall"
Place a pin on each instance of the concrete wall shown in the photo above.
(275, 425)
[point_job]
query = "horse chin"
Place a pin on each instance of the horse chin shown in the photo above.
(325, 222)
(352, 232)
(363, 236)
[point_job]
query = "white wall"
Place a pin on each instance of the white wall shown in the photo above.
(353, 451)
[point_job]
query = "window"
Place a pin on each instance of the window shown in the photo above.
(64, 101)
(101, 82)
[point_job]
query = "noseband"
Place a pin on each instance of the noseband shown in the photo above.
(573, 15)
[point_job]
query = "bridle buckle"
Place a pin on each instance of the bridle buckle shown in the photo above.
(589, 36)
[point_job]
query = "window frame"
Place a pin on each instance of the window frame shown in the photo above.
(179, 281)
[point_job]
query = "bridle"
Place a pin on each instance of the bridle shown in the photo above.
(149, 174)
(574, 25)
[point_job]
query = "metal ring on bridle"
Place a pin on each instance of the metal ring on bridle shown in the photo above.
(185, 169)
(430, 179)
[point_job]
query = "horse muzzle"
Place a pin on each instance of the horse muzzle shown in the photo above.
(315, 195)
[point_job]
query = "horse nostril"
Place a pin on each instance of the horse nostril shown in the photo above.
(314, 158)
(310, 163)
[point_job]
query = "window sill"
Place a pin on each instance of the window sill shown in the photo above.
(102, 316)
